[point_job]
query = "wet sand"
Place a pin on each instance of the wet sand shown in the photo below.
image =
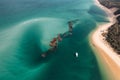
(108, 60)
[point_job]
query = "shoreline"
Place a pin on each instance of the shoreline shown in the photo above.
(108, 60)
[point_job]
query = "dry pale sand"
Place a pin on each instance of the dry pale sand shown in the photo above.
(108, 60)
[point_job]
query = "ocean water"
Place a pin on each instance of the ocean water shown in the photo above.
(27, 27)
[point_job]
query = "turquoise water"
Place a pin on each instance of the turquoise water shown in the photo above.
(27, 27)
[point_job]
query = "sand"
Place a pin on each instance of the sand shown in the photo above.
(108, 60)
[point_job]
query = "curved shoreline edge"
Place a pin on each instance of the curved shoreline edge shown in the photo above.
(108, 60)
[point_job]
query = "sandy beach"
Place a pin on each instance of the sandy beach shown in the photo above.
(108, 60)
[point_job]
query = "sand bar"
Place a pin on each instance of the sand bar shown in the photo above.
(108, 60)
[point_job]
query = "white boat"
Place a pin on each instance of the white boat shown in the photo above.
(76, 54)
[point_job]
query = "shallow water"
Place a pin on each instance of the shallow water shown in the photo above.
(27, 27)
